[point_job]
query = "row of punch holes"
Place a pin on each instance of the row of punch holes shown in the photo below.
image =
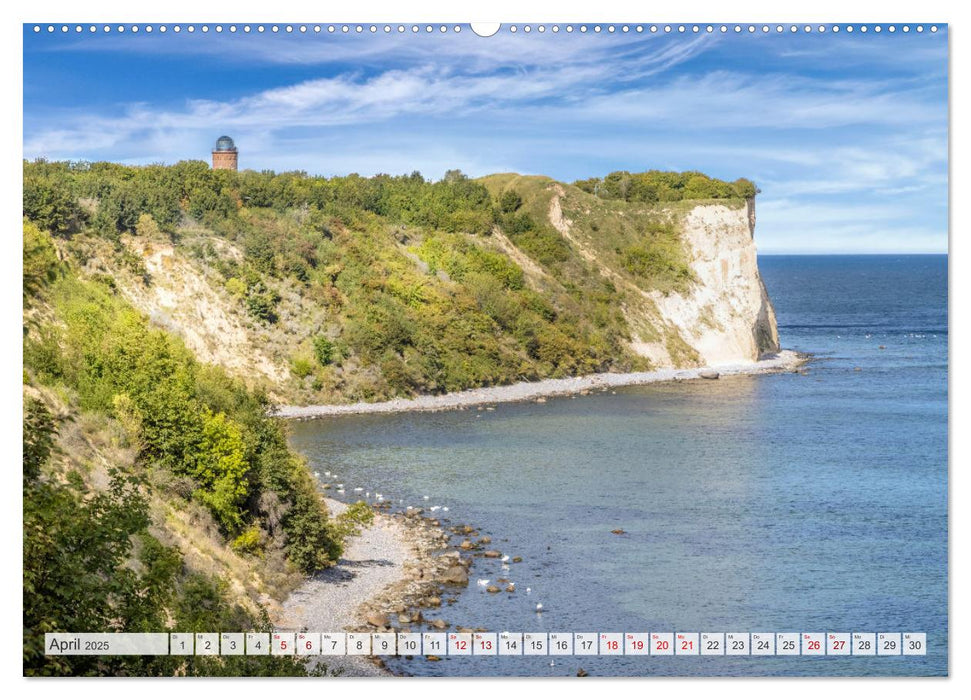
(512, 28)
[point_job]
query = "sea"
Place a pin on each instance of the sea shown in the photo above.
(793, 502)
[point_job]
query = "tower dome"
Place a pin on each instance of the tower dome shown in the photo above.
(225, 143)
(224, 154)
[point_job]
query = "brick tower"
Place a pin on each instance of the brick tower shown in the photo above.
(224, 155)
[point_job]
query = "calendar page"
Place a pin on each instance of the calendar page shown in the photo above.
(540, 349)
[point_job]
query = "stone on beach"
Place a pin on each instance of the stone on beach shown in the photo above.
(377, 619)
(708, 374)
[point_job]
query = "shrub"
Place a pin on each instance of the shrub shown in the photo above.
(510, 201)
(323, 350)
(301, 366)
(250, 541)
(236, 286)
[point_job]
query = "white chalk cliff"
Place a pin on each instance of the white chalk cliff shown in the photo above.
(726, 317)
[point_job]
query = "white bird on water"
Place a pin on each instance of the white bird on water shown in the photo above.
(358, 489)
(539, 607)
(341, 491)
(317, 474)
(505, 557)
(528, 590)
(444, 509)
(483, 582)
(425, 498)
(326, 473)
(435, 508)
(340, 486)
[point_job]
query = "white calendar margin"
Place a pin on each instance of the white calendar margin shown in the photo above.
(507, 10)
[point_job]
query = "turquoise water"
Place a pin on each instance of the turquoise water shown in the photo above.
(785, 502)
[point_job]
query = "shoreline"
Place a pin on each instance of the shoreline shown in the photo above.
(782, 361)
(394, 569)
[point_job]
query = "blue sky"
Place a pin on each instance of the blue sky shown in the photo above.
(846, 134)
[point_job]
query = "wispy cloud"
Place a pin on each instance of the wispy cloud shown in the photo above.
(843, 134)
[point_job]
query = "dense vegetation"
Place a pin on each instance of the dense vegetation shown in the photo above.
(376, 287)
(664, 186)
(94, 559)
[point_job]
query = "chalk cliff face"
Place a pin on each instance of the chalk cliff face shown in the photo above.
(726, 316)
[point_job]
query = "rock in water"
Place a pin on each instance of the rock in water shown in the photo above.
(439, 624)
(708, 374)
(492, 554)
(581, 673)
(618, 531)
(492, 589)
(456, 574)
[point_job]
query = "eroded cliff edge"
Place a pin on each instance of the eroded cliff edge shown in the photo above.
(721, 315)
(727, 316)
